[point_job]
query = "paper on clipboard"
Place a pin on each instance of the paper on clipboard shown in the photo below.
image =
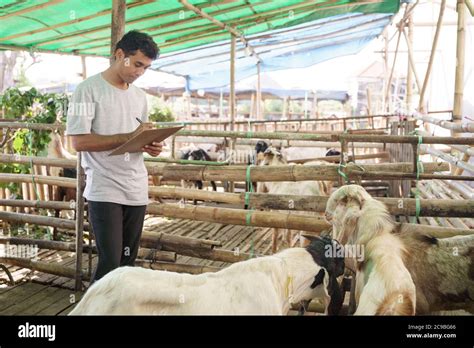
(146, 137)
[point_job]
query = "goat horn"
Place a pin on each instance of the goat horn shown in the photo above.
(334, 199)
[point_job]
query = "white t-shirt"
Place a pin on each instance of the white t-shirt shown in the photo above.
(100, 108)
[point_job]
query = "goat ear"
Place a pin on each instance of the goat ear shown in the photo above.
(349, 223)
(318, 279)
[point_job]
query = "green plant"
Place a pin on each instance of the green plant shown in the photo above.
(161, 115)
(29, 106)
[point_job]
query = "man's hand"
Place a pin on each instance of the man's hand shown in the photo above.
(154, 149)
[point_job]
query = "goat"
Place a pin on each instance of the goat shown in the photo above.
(260, 149)
(332, 152)
(384, 286)
(441, 268)
(314, 188)
(262, 286)
(197, 155)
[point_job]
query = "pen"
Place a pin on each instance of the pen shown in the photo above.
(140, 121)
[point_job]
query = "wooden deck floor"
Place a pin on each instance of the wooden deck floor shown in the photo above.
(29, 298)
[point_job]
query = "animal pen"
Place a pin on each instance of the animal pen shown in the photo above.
(392, 155)
(206, 237)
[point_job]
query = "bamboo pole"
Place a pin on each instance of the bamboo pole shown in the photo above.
(448, 158)
(143, 253)
(409, 69)
(40, 266)
(79, 223)
(288, 220)
(467, 127)
(45, 244)
(62, 128)
(30, 9)
(459, 76)
(369, 103)
(38, 204)
(40, 179)
(302, 143)
(351, 158)
(118, 23)
(259, 94)
(411, 59)
(178, 268)
(470, 7)
(409, 139)
(234, 33)
(292, 172)
(40, 220)
(46, 161)
(421, 105)
(465, 158)
(389, 83)
(190, 247)
(396, 206)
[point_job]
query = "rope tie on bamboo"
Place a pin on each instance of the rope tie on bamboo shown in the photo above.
(249, 133)
(419, 169)
(248, 215)
(292, 173)
(342, 167)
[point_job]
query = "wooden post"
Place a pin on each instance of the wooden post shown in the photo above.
(459, 77)
(369, 104)
(409, 70)
(232, 100)
(389, 82)
(385, 68)
(283, 109)
(79, 222)
(306, 104)
(411, 59)
(84, 67)
(259, 94)
(118, 23)
(232, 83)
(221, 105)
(421, 105)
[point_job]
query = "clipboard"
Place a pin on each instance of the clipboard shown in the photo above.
(146, 137)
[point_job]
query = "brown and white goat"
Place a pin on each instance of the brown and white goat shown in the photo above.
(384, 285)
(442, 269)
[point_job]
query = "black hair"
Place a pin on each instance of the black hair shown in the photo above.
(134, 40)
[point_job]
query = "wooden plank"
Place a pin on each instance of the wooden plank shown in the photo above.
(19, 294)
(27, 305)
(60, 302)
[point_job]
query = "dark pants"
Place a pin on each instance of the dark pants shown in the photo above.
(117, 229)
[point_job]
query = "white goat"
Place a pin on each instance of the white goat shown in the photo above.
(262, 286)
(441, 269)
(384, 285)
(273, 157)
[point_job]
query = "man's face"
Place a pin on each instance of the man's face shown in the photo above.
(132, 67)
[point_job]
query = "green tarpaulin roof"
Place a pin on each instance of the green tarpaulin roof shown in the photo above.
(83, 26)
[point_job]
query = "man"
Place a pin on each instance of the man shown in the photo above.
(102, 116)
